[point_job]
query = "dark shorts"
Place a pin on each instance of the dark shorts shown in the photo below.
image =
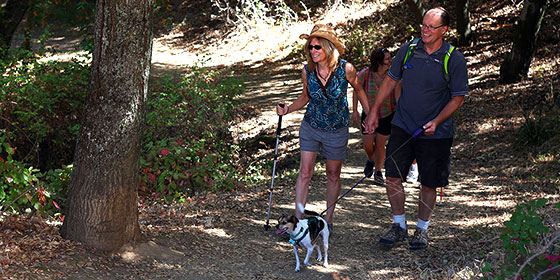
(384, 127)
(332, 144)
(432, 156)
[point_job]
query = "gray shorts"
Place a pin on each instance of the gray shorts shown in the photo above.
(332, 144)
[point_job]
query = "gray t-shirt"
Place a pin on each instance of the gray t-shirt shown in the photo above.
(425, 92)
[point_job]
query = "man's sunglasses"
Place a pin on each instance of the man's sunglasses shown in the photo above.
(317, 47)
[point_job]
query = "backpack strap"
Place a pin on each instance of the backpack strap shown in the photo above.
(410, 52)
(446, 60)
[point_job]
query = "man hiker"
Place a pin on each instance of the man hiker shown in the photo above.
(434, 83)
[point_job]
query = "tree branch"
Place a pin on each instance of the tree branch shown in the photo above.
(540, 252)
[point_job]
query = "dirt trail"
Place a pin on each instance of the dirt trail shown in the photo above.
(222, 237)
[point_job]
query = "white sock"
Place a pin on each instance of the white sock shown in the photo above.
(400, 219)
(414, 167)
(423, 224)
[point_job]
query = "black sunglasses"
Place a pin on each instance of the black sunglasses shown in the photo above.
(317, 47)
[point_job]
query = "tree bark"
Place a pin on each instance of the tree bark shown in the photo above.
(417, 10)
(102, 210)
(463, 16)
(10, 17)
(516, 64)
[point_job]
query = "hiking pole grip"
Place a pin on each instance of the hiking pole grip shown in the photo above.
(279, 129)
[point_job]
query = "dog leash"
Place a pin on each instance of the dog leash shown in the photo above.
(416, 133)
(340, 197)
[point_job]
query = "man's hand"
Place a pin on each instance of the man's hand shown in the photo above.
(430, 128)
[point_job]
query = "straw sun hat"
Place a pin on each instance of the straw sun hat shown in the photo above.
(325, 31)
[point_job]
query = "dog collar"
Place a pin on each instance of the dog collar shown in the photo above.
(294, 238)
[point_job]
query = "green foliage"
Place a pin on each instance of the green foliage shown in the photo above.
(40, 103)
(523, 234)
(360, 43)
(535, 132)
(187, 144)
(15, 176)
(68, 12)
(23, 188)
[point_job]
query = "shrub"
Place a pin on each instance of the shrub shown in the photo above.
(23, 188)
(40, 104)
(534, 132)
(187, 144)
(528, 247)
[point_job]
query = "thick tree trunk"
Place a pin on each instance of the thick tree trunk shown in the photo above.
(463, 22)
(517, 62)
(10, 17)
(417, 10)
(102, 207)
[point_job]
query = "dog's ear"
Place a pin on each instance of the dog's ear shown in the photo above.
(293, 219)
(282, 220)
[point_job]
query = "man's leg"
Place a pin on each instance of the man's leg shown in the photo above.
(395, 192)
(426, 202)
(306, 168)
(433, 159)
(401, 156)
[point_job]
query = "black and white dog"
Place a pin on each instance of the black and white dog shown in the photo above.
(305, 233)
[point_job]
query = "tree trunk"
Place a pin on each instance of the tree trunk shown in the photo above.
(517, 62)
(463, 22)
(11, 16)
(102, 210)
(417, 10)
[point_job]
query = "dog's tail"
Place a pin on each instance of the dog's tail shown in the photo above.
(311, 213)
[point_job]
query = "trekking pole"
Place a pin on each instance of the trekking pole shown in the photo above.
(278, 130)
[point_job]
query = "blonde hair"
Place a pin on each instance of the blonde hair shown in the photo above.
(330, 51)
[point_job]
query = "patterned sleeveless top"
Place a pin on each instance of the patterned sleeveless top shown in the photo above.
(327, 108)
(367, 79)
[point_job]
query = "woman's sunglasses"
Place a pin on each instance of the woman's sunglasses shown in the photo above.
(317, 47)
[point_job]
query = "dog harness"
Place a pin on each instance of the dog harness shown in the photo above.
(314, 226)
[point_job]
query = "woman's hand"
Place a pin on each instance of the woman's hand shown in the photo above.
(282, 109)
(355, 116)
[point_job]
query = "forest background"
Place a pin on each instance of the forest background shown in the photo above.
(508, 133)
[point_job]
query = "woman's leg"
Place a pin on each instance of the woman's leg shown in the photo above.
(333, 186)
(369, 145)
(379, 151)
(306, 168)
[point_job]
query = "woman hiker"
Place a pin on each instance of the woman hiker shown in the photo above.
(324, 127)
(374, 144)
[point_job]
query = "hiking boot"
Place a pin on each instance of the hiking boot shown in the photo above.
(395, 234)
(412, 177)
(368, 170)
(378, 178)
(419, 240)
